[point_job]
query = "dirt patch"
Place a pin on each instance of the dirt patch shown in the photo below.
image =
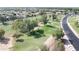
(50, 43)
(8, 43)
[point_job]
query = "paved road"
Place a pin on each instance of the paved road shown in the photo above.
(72, 38)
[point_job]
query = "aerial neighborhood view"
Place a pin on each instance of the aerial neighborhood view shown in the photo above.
(39, 29)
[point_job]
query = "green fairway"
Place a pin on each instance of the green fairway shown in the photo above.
(31, 43)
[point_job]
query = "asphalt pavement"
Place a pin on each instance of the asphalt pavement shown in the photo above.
(72, 37)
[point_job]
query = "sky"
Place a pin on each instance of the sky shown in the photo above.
(39, 3)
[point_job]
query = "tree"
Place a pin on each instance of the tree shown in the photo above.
(54, 16)
(18, 24)
(24, 26)
(42, 12)
(13, 17)
(30, 24)
(45, 19)
(58, 34)
(2, 19)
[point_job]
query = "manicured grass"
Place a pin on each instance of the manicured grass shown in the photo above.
(72, 21)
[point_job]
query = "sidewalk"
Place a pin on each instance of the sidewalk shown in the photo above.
(68, 46)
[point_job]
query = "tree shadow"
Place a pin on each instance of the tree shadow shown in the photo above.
(17, 35)
(50, 26)
(20, 40)
(4, 40)
(37, 34)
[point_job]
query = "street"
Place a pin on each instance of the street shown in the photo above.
(72, 37)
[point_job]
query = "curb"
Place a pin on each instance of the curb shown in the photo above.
(72, 29)
(67, 46)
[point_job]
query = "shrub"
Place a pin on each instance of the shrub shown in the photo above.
(37, 33)
(2, 32)
(59, 33)
(54, 16)
(76, 23)
(17, 35)
(43, 19)
(30, 24)
(44, 48)
(17, 24)
(20, 40)
(59, 46)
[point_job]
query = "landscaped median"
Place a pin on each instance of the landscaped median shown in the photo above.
(74, 25)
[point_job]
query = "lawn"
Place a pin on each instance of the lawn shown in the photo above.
(31, 43)
(72, 21)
